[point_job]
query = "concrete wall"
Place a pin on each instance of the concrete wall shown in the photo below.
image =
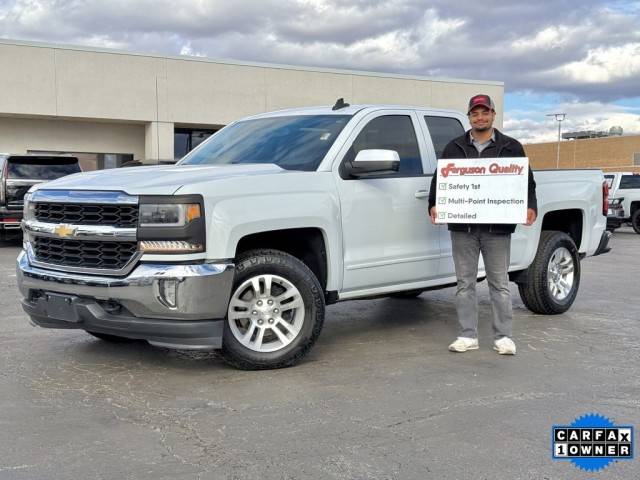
(609, 154)
(74, 83)
(19, 135)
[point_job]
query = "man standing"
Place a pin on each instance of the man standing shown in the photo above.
(493, 241)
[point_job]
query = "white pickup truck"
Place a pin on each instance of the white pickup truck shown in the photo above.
(241, 245)
(624, 199)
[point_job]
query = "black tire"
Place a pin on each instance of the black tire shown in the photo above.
(111, 338)
(635, 220)
(274, 262)
(534, 290)
(407, 294)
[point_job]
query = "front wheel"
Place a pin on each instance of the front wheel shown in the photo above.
(635, 220)
(275, 313)
(552, 280)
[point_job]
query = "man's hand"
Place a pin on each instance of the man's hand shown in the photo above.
(433, 215)
(531, 217)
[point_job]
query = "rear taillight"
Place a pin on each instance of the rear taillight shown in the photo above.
(605, 198)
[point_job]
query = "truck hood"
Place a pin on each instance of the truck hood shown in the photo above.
(157, 180)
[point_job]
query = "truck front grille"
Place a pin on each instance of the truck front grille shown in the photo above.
(122, 216)
(83, 254)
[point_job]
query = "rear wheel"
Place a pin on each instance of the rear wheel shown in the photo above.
(275, 313)
(635, 220)
(551, 282)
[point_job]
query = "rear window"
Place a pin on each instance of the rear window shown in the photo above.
(630, 181)
(35, 169)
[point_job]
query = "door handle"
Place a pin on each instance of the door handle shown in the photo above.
(422, 194)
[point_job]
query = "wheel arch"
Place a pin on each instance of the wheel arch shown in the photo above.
(566, 220)
(569, 221)
(307, 244)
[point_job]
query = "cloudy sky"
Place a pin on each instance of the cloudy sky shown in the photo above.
(579, 57)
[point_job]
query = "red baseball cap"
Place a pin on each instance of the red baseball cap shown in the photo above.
(482, 101)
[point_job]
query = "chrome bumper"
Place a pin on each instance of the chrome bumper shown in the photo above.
(163, 303)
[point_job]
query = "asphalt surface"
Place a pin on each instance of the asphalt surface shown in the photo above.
(379, 397)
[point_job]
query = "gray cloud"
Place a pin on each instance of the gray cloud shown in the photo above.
(589, 50)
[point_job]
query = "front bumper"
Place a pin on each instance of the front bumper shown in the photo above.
(180, 306)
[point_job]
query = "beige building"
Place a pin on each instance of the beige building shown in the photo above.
(111, 106)
(610, 154)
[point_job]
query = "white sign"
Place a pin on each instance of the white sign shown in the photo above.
(482, 190)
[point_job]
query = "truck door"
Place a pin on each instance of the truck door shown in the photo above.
(441, 128)
(388, 238)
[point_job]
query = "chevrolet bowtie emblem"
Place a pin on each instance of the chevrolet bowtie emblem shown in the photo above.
(64, 231)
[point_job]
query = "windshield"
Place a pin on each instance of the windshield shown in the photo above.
(291, 142)
(36, 169)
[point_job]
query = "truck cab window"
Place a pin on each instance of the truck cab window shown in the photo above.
(391, 132)
(629, 181)
(442, 130)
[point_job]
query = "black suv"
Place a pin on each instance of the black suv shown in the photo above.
(17, 174)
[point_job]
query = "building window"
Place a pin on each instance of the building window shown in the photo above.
(186, 139)
(636, 159)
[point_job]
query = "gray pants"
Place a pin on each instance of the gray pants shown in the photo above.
(495, 249)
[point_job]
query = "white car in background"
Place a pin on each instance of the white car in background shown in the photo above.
(624, 199)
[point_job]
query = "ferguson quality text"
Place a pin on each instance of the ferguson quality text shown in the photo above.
(494, 169)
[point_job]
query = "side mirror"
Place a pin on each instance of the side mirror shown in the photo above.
(374, 162)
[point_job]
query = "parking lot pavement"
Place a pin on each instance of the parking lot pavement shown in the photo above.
(378, 397)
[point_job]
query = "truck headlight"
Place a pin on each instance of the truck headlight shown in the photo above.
(168, 215)
(172, 224)
(29, 208)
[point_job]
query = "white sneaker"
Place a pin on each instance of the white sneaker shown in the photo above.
(462, 344)
(504, 346)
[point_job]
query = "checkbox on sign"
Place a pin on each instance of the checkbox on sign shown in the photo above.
(442, 200)
(441, 215)
(443, 186)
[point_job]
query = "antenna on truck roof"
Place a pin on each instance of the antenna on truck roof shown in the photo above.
(340, 104)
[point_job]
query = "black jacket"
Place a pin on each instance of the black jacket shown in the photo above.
(503, 146)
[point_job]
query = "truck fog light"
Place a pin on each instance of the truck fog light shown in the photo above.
(168, 289)
(169, 246)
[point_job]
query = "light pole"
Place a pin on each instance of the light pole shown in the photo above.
(559, 118)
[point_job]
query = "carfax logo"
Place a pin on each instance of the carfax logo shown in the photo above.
(592, 442)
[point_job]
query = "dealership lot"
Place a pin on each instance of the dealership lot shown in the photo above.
(378, 397)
